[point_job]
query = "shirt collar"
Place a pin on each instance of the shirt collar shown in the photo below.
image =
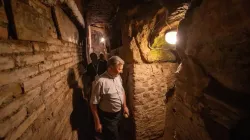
(110, 76)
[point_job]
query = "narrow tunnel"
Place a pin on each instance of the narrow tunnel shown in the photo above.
(186, 74)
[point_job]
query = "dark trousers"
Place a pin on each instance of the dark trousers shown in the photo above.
(109, 123)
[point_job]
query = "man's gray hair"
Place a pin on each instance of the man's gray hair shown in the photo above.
(115, 60)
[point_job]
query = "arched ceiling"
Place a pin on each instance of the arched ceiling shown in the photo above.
(101, 12)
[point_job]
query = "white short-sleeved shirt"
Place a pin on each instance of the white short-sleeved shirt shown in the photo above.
(108, 92)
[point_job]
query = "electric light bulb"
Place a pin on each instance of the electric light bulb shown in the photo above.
(102, 39)
(170, 37)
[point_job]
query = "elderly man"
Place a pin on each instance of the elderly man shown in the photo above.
(108, 100)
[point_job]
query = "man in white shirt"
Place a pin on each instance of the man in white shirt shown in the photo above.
(108, 100)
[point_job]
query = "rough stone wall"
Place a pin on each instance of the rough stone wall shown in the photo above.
(35, 76)
(211, 99)
(142, 26)
(147, 77)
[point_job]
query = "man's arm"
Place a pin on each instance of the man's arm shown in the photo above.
(98, 126)
(125, 108)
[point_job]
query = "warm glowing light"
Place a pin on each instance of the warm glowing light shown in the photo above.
(170, 37)
(102, 39)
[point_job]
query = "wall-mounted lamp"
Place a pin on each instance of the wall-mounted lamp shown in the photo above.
(170, 37)
(102, 40)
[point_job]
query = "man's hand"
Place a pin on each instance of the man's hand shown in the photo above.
(98, 127)
(126, 112)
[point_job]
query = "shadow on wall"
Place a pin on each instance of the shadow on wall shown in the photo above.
(169, 94)
(80, 116)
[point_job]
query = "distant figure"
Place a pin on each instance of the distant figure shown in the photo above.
(102, 57)
(94, 70)
(102, 63)
(108, 100)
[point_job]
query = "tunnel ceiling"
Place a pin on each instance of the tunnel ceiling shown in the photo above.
(101, 12)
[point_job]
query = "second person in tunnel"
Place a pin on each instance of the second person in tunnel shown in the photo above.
(94, 70)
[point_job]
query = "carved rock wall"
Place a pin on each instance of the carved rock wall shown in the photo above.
(212, 93)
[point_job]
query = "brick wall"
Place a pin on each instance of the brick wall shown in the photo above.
(146, 86)
(35, 88)
(151, 83)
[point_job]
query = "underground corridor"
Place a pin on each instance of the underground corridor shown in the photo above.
(186, 72)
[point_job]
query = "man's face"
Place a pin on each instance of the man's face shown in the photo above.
(117, 69)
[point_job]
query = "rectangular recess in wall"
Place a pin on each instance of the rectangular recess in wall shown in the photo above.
(33, 21)
(66, 27)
